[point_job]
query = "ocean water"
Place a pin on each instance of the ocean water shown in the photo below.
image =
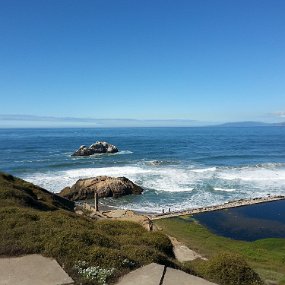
(179, 168)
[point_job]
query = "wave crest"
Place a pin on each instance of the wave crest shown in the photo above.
(175, 179)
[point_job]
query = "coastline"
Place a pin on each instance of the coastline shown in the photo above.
(227, 205)
(156, 216)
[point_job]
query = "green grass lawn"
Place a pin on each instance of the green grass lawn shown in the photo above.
(266, 256)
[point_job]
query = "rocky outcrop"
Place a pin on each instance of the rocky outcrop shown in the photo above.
(105, 187)
(127, 215)
(98, 147)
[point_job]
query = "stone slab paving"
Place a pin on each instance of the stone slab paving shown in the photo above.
(175, 277)
(154, 274)
(150, 274)
(32, 270)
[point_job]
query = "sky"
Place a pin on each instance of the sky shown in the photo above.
(150, 60)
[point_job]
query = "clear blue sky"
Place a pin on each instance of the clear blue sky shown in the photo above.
(202, 60)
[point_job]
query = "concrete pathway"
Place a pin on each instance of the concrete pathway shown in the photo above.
(155, 274)
(32, 270)
(147, 275)
(227, 205)
(175, 277)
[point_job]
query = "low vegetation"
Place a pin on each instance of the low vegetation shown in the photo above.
(266, 256)
(226, 269)
(92, 252)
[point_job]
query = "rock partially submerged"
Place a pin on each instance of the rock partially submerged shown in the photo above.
(105, 187)
(98, 147)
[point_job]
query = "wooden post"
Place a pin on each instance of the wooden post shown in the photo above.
(96, 201)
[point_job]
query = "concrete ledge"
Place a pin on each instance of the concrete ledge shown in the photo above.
(32, 270)
(175, 277)
(147, 275)
(155, 274)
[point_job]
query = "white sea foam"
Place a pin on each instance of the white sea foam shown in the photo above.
(55, 181)
(165, 179)
(202, 170)
(124, 152)
(187, 186)
(254, 174)
(170, 179)
(224, 189)
(199, 199)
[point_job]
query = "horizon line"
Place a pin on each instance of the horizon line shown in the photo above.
(35, 121)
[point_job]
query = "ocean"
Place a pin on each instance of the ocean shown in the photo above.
(179, 168)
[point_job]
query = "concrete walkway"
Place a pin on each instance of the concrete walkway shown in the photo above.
(227, 205)
(32, 270)
(156, 274)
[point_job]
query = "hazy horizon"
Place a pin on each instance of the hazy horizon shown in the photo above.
(30, 121)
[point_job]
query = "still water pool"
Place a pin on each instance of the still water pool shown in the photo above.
(249, 223)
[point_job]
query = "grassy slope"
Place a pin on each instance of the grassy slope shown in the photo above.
(266, 256)
(36, 221)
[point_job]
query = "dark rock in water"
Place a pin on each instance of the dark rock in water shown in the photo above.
(105, 187)
(98, 147)
(155, 162)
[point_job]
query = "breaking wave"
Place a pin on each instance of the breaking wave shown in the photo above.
(178, 187)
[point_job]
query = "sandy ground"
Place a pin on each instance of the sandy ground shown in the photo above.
(121, 215)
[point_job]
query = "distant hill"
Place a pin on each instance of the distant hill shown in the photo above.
(251, 124)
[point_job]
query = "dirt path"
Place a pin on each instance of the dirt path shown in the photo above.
(184, 253)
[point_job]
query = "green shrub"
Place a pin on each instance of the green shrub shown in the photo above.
(118, 228)
(228, 269)
(142, 254)
(160, 241)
